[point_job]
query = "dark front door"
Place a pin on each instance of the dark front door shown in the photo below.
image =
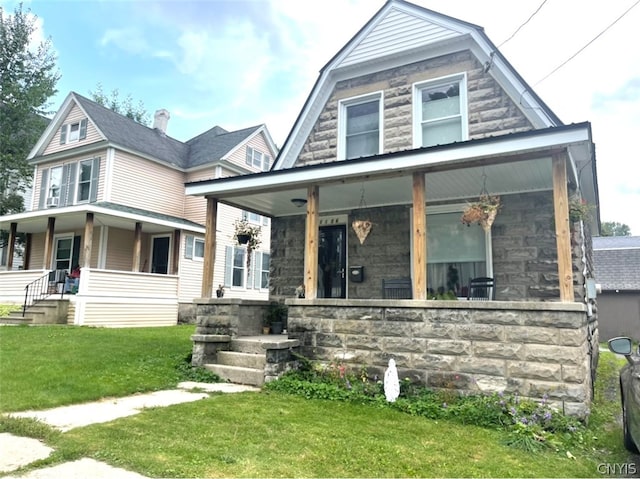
(160, 255)
(332, 262)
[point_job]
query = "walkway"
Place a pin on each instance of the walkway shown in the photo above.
(17, 452)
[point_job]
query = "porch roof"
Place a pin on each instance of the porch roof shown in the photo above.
(515, 163)
(105, 214)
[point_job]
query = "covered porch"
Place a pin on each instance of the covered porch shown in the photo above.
(538, 337)
(129, 262)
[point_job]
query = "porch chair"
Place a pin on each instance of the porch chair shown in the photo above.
(481, 289)
(399, 288)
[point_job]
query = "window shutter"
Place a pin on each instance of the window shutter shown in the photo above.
(228, 265)
(95, 176)
(249, 159)
(83, 129)
(63, 134)
(43, 188)
(71, 188)
(188, 247)
(64, 186)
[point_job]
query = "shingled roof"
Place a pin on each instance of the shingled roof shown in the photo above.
(209, 146)
(617, 262)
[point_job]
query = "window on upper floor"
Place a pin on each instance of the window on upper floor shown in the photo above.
(194, 247)
(360, 121)
(71, 183)
(255, 218)
(258, 159)
(440, 111)
(72, 132)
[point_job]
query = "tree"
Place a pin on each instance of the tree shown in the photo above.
(28, 77)
(613, 228)
(123, 107)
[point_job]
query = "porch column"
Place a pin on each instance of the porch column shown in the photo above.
(312, 238)
(12, 244)
(176, 252)
(48, 243)
(209, 247)
(563, 239)
(137, 247)
(87, 241)
(27, 251)
(419, 265)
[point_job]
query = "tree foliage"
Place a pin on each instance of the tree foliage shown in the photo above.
(122, 106)
(613, 228)
(28, 78)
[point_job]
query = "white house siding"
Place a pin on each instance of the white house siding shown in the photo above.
(490, 110)
(12, 284)
(195, 207)
(102, 154)
(120, 250)
(74, 116)
(163, 186)
(37, 251)
(126, 299)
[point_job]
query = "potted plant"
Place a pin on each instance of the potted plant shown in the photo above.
(220, 291)
(482, 212)
(300, 291)
(249, 235)
(276, 316)
(579, 210)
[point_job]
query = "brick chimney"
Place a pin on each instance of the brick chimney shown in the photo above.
(160, 120)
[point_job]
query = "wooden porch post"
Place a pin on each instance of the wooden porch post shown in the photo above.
(312, 238)
(137, 247)
(12, 244)
(419, 265)
(176, 252)
(88, 241)
(27, 251)
(209, 247)
(563, 239)
(48, 243)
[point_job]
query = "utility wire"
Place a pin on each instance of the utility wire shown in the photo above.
(528, 20)
(585, 46)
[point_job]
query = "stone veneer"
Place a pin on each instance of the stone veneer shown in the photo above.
(491, 112)
(532, 349)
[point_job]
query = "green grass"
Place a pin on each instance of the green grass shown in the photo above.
(268, 434)
(48, 366)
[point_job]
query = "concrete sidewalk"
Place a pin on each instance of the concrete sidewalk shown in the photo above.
(16, 452)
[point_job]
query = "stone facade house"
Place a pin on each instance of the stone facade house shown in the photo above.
(414, 118)
(108, 195)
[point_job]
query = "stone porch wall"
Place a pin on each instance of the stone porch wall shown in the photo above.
(231, 317)
(533, 349)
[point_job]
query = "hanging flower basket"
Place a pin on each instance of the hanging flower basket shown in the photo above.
(249, 235)
(362, 229)
(482, 212)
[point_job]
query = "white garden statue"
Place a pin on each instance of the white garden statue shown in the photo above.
(391, 383)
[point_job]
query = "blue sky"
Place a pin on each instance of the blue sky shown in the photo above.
(239, 63)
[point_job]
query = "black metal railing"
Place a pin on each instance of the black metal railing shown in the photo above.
(43, 287)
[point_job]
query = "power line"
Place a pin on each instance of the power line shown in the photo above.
(527, 21)
(585, 46)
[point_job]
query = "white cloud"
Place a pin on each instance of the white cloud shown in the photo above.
(130, 39)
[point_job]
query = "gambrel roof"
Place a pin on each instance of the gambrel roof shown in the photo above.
(401, 33)
(213, 145)
(617, 262)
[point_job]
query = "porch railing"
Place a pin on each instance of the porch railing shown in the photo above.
(40, 289)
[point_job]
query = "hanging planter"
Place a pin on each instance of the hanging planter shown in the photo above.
(482, 212)
(362, 224)
(248, 235)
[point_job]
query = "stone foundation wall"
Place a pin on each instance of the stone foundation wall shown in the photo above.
(533, 349)
(232, 317)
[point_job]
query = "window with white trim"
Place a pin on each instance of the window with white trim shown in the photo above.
(85, 175)
(360, 122)
(440, 111)
(70, 183)
(72, 132)
(255, 218)
(55, 182)
(194, 247)
(257, 159)
(264, 270)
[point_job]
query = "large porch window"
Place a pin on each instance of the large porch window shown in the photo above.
(455, 253)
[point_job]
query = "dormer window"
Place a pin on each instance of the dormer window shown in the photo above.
(72, 132)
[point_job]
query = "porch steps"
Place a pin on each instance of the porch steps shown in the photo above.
(246, 360)
(43, 312)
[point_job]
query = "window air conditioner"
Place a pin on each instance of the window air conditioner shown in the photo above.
(52, 201)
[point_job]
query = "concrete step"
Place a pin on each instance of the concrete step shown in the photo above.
(245, 360)
(15, 321)
(238, 375)
(259, 344)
